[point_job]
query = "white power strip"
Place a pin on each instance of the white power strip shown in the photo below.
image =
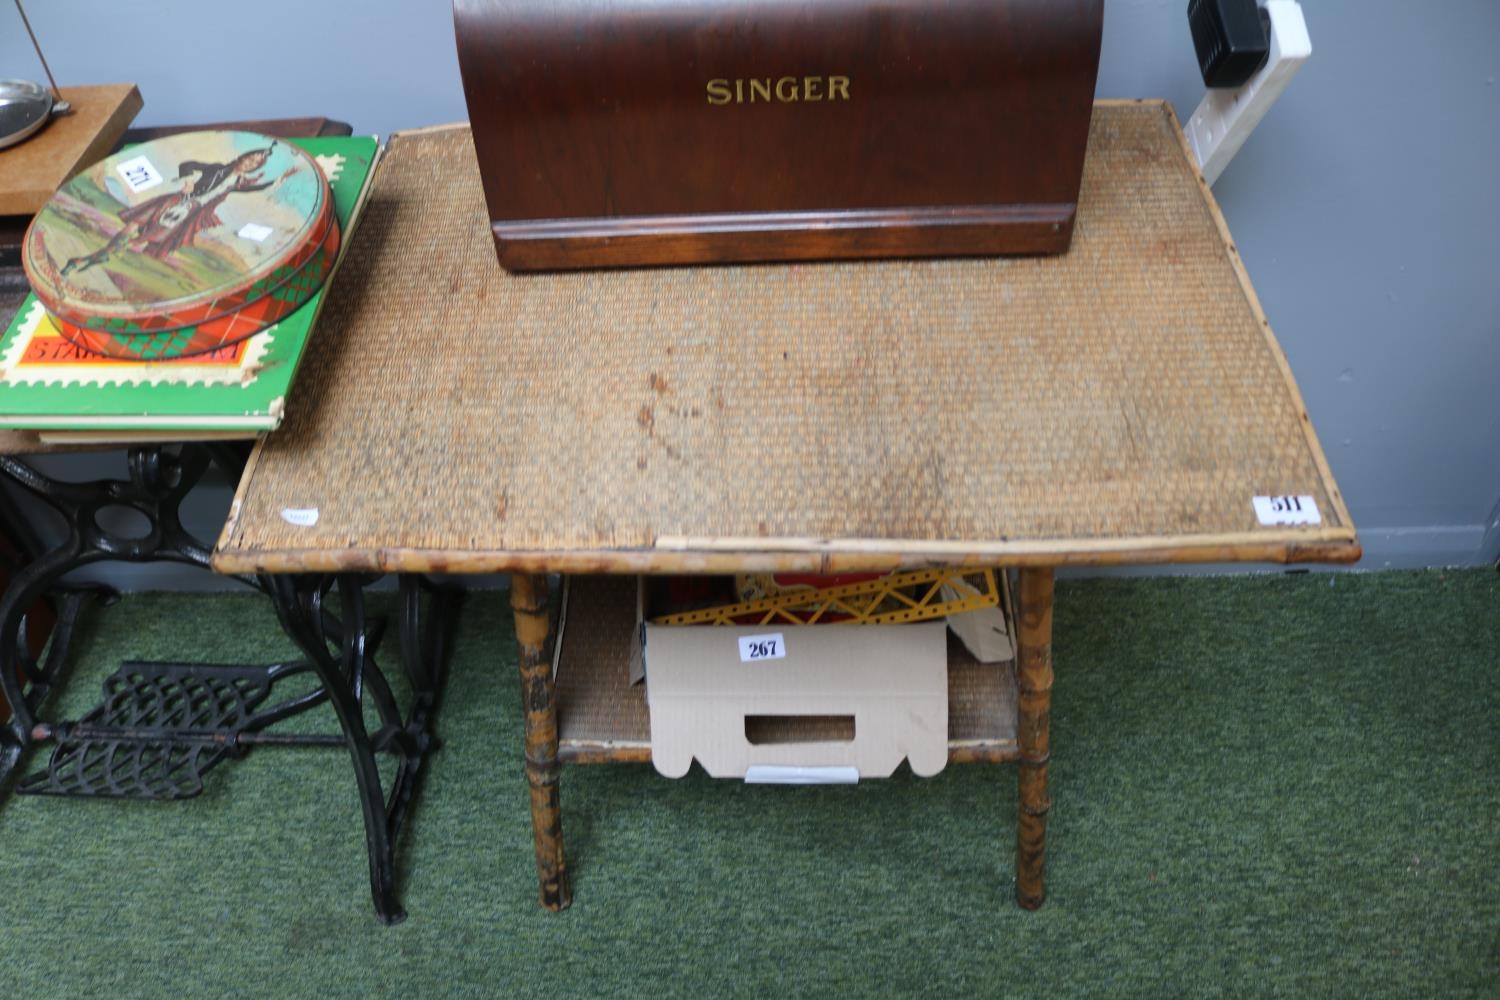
(1225, 118)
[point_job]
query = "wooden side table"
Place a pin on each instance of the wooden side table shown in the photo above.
(1124, 403)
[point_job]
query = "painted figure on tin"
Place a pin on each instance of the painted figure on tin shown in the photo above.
(176, 230)
(171, 220)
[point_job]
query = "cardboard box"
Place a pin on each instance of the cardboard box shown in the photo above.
(805, 703)
(985, 632)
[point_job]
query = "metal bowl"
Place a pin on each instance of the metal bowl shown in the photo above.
(24, 108)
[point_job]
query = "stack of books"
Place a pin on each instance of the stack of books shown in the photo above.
(180, 310)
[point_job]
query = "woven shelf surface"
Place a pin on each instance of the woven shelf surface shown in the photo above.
(1121, 402)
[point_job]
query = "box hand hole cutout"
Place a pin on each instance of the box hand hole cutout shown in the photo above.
(768, 730)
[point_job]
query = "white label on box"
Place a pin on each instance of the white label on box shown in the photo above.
(255, 231)
(754, 648)
(1287, 510)
(139, 174)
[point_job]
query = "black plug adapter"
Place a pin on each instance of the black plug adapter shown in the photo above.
(1232, 38)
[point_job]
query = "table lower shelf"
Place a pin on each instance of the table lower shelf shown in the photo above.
(603, 718)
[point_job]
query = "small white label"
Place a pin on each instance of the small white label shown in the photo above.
(1287, 510)
(255, 231)
(139, 174)
(302, 517)
(754, 648)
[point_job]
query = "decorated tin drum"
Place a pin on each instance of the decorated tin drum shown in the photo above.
(223, 331)
(177, 232)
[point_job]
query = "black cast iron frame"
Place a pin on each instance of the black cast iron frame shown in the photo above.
(339, 647)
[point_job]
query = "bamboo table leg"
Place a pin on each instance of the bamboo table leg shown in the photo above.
(1034, 684)
(528, 601)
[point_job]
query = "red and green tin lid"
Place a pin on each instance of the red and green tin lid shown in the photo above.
(184, 233)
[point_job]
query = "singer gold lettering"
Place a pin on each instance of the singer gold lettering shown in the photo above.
(776, 90)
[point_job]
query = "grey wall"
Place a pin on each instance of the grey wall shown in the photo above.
(1365, 206)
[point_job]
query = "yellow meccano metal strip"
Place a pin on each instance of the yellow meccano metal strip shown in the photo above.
(881, 601)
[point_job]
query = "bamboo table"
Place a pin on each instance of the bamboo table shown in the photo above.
(1123, 403)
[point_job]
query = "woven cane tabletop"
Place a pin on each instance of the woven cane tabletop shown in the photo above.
(1120, 403)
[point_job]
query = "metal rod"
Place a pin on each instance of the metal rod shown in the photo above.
(43, 732)
(333, 740)
(56, 94)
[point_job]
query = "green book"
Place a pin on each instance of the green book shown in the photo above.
(50, 386)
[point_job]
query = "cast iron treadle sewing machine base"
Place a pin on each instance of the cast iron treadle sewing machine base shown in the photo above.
(143, 742)
(163, 726)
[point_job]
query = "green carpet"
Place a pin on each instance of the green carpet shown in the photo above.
(1275, 785)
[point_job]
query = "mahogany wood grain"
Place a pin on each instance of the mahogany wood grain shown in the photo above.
(632, 132)
(306, 127)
